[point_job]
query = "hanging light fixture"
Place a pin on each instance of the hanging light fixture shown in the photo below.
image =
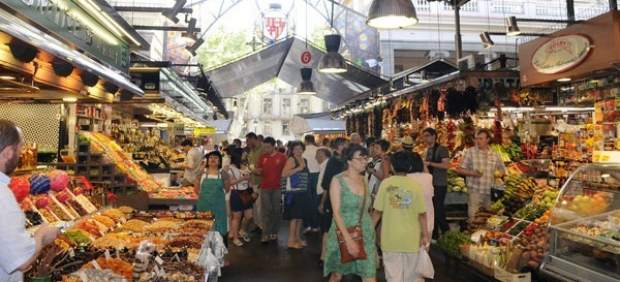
(172, 13)
(306, 87)
(191, 30)
(194, 47)
(512, 28)
(485, 37)
(391, 14)
(332, 62)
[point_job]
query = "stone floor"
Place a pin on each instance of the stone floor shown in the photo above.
(255, 262)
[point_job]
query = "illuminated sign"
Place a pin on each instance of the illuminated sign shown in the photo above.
(561, 53)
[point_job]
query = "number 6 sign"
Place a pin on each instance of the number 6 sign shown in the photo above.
(306, 57)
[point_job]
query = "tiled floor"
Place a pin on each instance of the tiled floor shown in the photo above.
(275, 263)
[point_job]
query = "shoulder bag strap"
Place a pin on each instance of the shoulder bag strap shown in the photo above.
(359, 222)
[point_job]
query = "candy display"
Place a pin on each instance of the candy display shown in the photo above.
(115, 154)
(39, 184)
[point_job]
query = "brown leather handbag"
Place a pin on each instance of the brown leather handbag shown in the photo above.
(358, 237)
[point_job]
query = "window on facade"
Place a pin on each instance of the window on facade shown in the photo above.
(286, 106)
(267, 105)
(267, 128)
(285, 129)
(304, 106)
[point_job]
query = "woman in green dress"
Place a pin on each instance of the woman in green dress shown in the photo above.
(347, 192)
(211, 192)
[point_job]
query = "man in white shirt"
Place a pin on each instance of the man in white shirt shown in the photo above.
(18, 250)
(312, 222)
(193, 160)
(322, 155)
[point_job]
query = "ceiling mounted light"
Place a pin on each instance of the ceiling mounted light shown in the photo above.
(332, 62)
(194, 47)
(88, 78)
(391, 14)
(62, 68)
(110, 87)
(306, 87)
(512, 28)
(7, 77)
(172, 13)
(485, 37)
(191, 30)
(564, 79)
(22, 51)
(69, 99)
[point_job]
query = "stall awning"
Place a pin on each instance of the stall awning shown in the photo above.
(282, 60)
(20, 29)
(300, 125)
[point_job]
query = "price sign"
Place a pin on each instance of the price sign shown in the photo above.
(306, 57)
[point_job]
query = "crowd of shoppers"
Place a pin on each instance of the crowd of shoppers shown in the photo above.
(392, 195)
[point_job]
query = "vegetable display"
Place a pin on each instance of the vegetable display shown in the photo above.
(452, 241)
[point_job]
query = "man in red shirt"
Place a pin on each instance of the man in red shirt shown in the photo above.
(270, 165)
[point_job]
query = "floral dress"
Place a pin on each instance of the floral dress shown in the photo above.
(349, 210)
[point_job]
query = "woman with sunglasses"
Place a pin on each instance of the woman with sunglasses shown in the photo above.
(349, 197)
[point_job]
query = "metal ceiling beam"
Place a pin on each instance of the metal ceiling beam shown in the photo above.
(148, 9)
(164, 28)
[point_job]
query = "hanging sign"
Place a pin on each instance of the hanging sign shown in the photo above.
(306, 57)
(561, 53)
(201, 131)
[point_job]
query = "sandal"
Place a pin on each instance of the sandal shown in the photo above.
(295, 246)
(237, 243)
(245, 237)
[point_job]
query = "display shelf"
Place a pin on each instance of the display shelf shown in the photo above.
(584, 234)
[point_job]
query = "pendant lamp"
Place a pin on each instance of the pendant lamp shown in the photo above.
(332, 62)
(391, 14)
(306, 87)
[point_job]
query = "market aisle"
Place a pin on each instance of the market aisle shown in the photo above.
(268, 263)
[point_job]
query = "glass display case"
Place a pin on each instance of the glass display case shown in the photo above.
(585, 226)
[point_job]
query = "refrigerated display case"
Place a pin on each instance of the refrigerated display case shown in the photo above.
(585, 226)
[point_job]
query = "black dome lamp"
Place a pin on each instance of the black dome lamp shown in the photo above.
(88, 78)
(110, 87)
(332, 62)
(125, 95)
(306, 87)
(62, 68)
(22, 51)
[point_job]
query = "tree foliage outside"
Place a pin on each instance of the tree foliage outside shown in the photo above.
(221, 47)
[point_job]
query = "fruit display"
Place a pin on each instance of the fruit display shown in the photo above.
(534, 241)
(456, 183)
(587, 204)
(123, 162)
(530, 211)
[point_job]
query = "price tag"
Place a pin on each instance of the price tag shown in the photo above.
(107, 255)
(71, 253)
(159, 261)
(96, 265)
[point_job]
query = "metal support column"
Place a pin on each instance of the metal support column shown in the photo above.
(570, 11)
(458, 42)
(613, 5)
